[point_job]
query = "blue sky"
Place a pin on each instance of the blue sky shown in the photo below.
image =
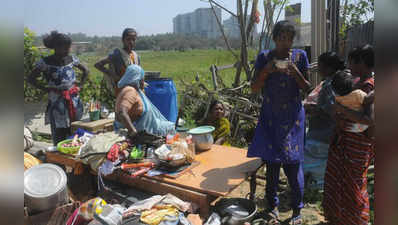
(110, 17)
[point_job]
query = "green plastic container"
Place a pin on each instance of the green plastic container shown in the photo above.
(67, 150)
(95, 115)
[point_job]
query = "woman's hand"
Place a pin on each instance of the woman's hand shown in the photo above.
(220, 141)
(268, 69)
(291, 70)
(132, 133)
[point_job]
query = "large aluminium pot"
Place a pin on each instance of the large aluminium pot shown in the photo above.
(236, 211)
(202, 137)
(45, 187)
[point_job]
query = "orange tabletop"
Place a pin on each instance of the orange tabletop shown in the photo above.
(221, 169)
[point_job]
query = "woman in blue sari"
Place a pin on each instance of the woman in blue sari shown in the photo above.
(279, 135)
(134, 110)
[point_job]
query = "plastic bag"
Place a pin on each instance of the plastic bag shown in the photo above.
(162, 152)
(181, 147)
(110, 215)
(91, 207)
(158, 213)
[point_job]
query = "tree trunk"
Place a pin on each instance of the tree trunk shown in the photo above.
(237, 75)
(243, 49)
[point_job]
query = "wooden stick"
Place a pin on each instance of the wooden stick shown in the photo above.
(214, 77)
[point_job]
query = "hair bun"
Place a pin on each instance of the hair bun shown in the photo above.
(56, 39)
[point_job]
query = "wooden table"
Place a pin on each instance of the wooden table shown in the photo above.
(221, 169)
(93, 126)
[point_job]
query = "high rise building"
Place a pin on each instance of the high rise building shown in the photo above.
(201, 22)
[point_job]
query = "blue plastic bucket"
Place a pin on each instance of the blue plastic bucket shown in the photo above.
(163, 94)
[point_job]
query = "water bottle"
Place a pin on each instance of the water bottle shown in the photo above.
(149, 153)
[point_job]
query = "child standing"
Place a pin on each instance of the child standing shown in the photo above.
(279, 137)
(64, 104)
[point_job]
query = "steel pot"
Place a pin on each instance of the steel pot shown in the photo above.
(202, 137)
(236, 211)
(45, 187)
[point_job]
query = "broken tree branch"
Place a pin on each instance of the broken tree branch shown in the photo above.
(251, 21)
(222, 7)
(245, 12)
(222, 31)
(214, 77)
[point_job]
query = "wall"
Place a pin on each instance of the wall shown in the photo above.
(359, 35)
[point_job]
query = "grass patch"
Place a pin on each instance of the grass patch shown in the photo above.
(178, 65)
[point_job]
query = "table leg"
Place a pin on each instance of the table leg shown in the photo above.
(253, 183)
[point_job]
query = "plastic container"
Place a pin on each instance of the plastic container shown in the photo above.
(163, 94)
(67, 150)
(183, 131)
(202, 137)
(95, 115)
(152, 75)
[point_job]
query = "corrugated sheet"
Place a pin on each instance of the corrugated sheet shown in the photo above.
(359, 35)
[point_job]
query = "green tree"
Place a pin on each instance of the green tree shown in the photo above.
(355, 12)
(31, 55)
(272, 12)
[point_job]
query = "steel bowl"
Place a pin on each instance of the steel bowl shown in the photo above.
(202, 137)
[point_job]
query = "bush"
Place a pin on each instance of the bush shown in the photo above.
(31, 55)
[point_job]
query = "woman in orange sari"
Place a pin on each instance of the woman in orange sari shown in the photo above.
(346, 200)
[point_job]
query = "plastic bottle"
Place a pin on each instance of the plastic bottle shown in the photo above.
(110, 215)
(149, 153)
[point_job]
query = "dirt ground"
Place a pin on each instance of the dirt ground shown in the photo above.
(82, 187)
(311, 212)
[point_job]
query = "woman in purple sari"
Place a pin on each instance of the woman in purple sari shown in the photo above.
(279, 136)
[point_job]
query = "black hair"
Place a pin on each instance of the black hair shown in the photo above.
(342, 83)
(368, 56)
(214, 103)
(127, 31)
(55, 39)
(364, 53)
(331, 60)
(283, 26)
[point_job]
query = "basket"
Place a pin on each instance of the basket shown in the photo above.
(29, 161)
(60, 215)
(67, 150)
